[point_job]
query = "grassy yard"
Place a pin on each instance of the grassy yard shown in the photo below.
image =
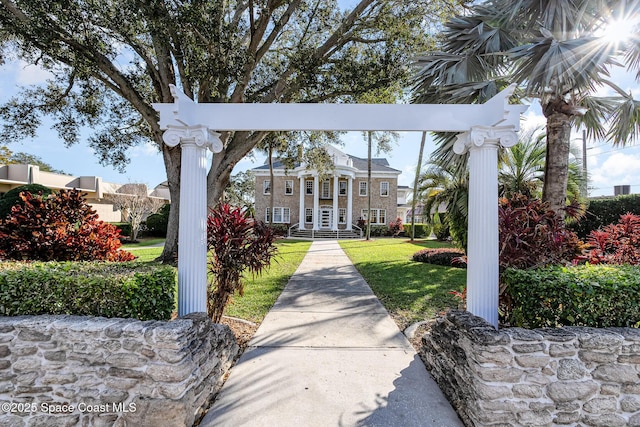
(262, 291)
(144, 241)
(410, 291)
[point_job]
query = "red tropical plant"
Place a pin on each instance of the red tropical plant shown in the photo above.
(238, 245)
(61, 227)
(616, 243)
(532, 235)
(395, 226)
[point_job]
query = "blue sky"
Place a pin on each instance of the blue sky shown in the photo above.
(607, 165)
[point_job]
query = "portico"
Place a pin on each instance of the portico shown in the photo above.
(482, 128)
(305, 199)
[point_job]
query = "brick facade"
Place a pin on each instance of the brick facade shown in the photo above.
(287, 205)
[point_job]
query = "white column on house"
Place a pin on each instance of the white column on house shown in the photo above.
(316, 203)
(482, 252)
(192, 237)
(301, 211)
(349, 202)
(334, 226)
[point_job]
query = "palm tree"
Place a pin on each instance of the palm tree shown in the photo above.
(522, 168)
(442, 185)
(558, 53)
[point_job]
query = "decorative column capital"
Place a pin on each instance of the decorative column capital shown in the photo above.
(479, 135)
(199, 135)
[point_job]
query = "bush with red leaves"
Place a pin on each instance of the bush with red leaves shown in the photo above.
(616, 243)
(61, 227)
(239, 244)
(532, 235)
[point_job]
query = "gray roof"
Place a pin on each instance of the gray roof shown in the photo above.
(377, 165)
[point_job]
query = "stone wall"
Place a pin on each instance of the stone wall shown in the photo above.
(72, 370)
(573, 376)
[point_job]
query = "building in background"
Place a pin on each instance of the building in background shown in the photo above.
(310, 202)
(97, 191)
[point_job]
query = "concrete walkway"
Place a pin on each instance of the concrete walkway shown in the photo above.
(328, 354)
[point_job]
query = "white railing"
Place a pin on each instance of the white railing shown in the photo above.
(291, 228)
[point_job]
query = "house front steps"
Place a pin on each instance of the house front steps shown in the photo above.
(296, 233)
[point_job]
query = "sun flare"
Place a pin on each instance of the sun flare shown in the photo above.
(619, 30)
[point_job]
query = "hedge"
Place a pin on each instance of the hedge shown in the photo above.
(601, 212)
(589, 295)
(422, 230)
(127, 290)
(441, 256)
(157, 223)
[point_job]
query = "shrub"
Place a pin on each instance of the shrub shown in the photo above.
(279, 229)
(157, 223)
(616, 243)
(441, 231)
(533, 235)
(450, 257)
(380, 230)
(597, 296)
(130, 290)
(124, 227)
(395, 226)
(62, 227)
(239, 245)
(12, 197)
(602, 212)
(422, 230)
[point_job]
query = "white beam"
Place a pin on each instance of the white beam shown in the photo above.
(341, 117)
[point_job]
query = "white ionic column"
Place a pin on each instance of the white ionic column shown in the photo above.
(334, 225)
(316, 203)
(349, 203)
(482, 251)
(192, 231)
(301, 211)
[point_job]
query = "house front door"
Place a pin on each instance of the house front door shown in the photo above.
(326, 215)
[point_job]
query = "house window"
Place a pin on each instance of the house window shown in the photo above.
(378, 216)
(326, 190)
(288, 187)
(342, 188)
(384, 188)
(363, 188)
(266, 187)
(280, 215)
(342, 216)
(309, 186)
(308, 215)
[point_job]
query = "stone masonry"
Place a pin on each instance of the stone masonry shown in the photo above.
(574, 376)
(91, 371)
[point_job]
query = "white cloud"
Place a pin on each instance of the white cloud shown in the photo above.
(27, 74)
(145, 150)
(617, 169)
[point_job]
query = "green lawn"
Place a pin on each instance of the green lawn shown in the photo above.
(410, 291)
(144, 241)
(260, 292)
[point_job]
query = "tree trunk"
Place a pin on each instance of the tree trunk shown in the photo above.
(369, 186)
(223, 162)
(415, 187)
(556, 172)
(172, 158)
